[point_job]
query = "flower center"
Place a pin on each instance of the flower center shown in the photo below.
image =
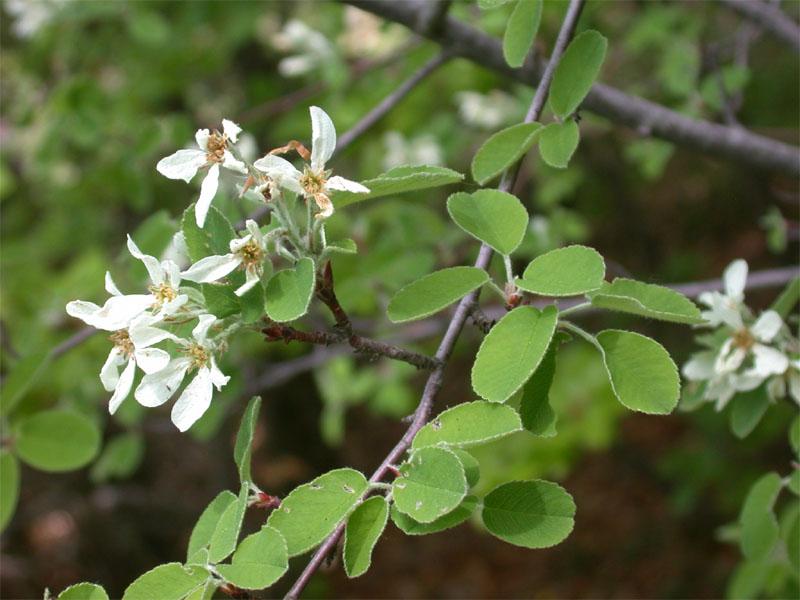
(743, 339)
(163, 293)
(198, 355)
(216, 146)
(252, 254)
(122, 341)
(313, 182)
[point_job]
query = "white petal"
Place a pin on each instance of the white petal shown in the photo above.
(237, 244)
(255, 232)
(277, 167)
(201, 137)
(251, 279)
(123, 388)
(144, 335)
(231, 129)
(194, 401)
(728, 361)
(769, 361)
(767, 326)
(151, 360)
(323, 138)
(151, 263)
(747, 381)
(111, 287)
(109, 373)
(211, 268)
(218, 378)
(173, 306)
(229, 161)
(700, 367)
(158, 387)
(177, 251)
(182, 165)
(81, 309)
(345, 185)
(172, 273)
(794, 386)
(208, 190)
(119, 311)
(200, 331)
(735, 278)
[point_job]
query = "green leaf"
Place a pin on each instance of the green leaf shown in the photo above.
(208, 521)
(460, 514)
(794, 435)
(9, 486)
(565, 271)
(432, 484)
(748, 580)
(537, 415)
(120, 458)
(642, 374)
(83, 591)
(646, 300)
(221, 301)
(364, 528)
(502, 150)
(400, 180)
(792, 538)
(759, 527)
(521, 31)
(576, 72)
(343, 246)
(171, 581)
(23, 375)
(531, 514)
(491, 216)
(312, 511)
(244, 438)
(469, 424)
(788, 299)
(511, 352)
(748, 408)
(289, 292)
(213, 239)
(491, 4)
(57, 440)
(558, 142)
(226, 533)
(259, 561)
(472, 469)
(252, 303)
(435, 291)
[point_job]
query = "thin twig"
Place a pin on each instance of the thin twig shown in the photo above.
(770, 17)
(434, 382)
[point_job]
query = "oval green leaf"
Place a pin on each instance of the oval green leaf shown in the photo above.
(313, 510)
(496, 218)
(565, 271)
(512, 351)
(759, 527)
(208, 521)
(411, 527)
(576, 72)
(531, 514)
(244, 438)
(535, 411)
(259, 561)
(400, 180)
(83, 591)
(171, 581)
(469, 424)
(502, 150)
(642, 374)
(748, 408)
(646, 300)
(432, 293)
(521, 31)
(120, 458)
(9, 486)
(226, 533)
(214, 238)
(364, 528)
(289, 292)
(558, 142)
(432, 484)
(472, 468)
(57, 440)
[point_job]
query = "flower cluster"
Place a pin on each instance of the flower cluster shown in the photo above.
(151, 331)
(743, 352)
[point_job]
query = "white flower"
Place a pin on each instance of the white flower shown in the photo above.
(767, 359)
(314, 51)
(246, 252)
(213, 152)
(156, 388)
(132, 347)
(487, 111)
(727, 308)
(399, 151)
(314, 182)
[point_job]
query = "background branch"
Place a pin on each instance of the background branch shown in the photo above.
(770, 17)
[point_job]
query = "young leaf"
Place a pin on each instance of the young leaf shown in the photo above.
(748, 580)
(20, 379)
(57, 440)
(244, 438)
(460, 514)
(364, 528)
(121, 456)
(646, 300)
(400, 180)
(171, 581)
(576, 72)
(531, 514)
(313, 510)
(220, 299)
(343, 246)
(642, 374)
(502, 150)
(434, 292)
(521, 31)
(289, 292)
(491, 216)
(252, 303)
(534, 409)
(472, 469)
(748, 408)
(511, 351)
(759, 527)
(794, 435)
(565, 271)
(83, 591)
(208, 521)
(787, 299)
(432, 484)
(259, 561)
(558, 142)
(469, 424)
(226, 533)
(213, 239)
(9, 486)
(491, 4)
